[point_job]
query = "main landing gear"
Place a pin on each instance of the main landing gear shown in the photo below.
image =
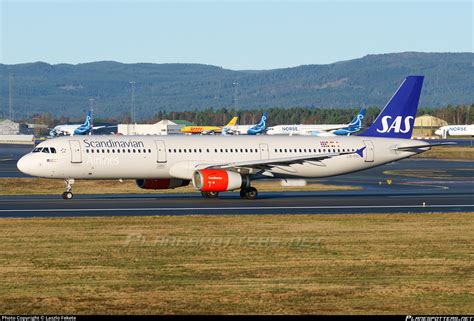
(67, 195)
(249, 193)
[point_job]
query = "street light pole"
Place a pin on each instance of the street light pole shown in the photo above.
(91, 108)
(235, 84)
(236, 105)
(133, 101)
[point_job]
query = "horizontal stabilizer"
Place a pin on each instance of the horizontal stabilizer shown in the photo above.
(410, 147)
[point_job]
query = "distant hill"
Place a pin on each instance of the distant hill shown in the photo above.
(369, 81)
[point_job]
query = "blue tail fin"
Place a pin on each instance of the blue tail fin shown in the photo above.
(86, 127)
(397, 118)
(354, 126)
(356, 123)
(87, 123)
(260, 127)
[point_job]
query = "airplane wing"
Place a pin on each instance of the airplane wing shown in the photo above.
(319, 133)
(269, 163)
(60, 132)
(210, 131)
(328, 128)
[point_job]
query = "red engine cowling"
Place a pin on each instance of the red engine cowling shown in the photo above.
(217, 180)
(162, 183)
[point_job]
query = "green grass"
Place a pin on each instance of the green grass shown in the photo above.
(324, 264)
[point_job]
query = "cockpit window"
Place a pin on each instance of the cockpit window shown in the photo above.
(47, 150)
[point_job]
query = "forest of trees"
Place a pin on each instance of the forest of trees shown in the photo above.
(66, 89)
(460, 114)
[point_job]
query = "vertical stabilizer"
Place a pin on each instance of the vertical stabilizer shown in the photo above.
(397, 118)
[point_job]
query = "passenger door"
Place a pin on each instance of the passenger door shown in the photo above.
(161, 151)
(76, 154)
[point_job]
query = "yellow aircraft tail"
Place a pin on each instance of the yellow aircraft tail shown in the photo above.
(233, 121)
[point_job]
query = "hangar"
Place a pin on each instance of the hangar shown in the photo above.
(426, 125)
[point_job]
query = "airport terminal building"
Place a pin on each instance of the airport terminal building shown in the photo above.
(8, 127)
(163, 127)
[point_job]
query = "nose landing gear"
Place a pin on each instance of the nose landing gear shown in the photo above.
(210, 194)
(67, 195)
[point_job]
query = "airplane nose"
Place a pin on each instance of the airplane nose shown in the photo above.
(23, 165)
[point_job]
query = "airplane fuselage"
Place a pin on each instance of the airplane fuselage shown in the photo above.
(455, 130)
(141, 157)
(200, 129)
(304, 130)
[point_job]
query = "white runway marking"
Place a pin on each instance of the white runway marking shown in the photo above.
(162, 209)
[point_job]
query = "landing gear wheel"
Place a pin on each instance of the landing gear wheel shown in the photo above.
(250, 193)
(67, 195)
(210, 194)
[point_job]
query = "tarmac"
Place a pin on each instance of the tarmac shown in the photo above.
(407, 186)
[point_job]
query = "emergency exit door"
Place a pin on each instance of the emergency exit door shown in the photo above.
(161, 151)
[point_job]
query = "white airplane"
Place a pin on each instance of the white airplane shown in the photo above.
(455, 130)
(320, 130)
(224, 163)
(75, 129)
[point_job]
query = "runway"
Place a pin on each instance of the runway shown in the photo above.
(230, 204)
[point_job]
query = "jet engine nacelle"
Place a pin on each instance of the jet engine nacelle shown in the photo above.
(218, 180)
(162, 183)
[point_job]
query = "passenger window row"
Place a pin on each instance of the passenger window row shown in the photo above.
(216, 150)
(314, 150)
(123, 151)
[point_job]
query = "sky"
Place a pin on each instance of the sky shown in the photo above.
(232, 34)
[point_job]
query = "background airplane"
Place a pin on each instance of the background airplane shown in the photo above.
(320, 130)
(75, 129)
(455, 130)
(207, 130)
(258, 128)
